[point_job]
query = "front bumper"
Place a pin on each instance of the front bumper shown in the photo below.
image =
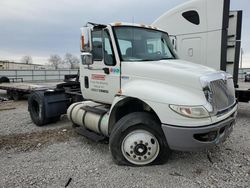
(197, 138)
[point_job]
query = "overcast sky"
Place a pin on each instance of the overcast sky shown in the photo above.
(43, 27)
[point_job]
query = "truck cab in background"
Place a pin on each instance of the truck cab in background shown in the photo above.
(207, 32)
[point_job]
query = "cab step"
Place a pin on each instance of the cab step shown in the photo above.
(91, 135)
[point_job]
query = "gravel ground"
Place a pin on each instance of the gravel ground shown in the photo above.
(55, 155)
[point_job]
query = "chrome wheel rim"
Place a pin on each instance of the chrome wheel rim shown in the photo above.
(140, 147)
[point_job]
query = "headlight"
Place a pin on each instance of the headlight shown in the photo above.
(190, 111)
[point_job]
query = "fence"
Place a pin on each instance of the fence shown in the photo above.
(37, 75)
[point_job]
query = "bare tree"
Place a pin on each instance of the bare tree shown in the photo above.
(55, 60)
(72, 60)
(27, 59)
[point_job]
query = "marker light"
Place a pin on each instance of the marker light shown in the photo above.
(82, 41)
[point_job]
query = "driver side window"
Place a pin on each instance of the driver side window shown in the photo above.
(97, 45)
(109, 58)
(102, 47)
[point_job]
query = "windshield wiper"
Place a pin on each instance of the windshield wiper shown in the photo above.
(166, 58)
(156, 59)
(147, 60)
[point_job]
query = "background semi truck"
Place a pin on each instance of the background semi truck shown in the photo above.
(207, 32)
(137, 92)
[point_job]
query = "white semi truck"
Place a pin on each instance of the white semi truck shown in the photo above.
(207, 32)
(140, 95)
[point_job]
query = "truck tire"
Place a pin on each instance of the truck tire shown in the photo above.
(138, 140)
(37, 109)
(4, 79)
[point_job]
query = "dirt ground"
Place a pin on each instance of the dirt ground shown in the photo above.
(54, 155)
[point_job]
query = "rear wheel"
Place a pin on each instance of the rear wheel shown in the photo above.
(138, 140)
(4, 79)
(37, 109)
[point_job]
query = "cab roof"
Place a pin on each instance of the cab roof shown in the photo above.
(125, 24)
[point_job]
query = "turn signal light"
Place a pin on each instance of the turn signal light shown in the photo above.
(82, 41)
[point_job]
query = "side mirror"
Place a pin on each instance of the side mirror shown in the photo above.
(173, 41)
(87, 58)
(86, 39)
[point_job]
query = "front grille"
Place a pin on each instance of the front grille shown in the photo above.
(223, 95)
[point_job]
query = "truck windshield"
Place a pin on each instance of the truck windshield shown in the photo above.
(142, 44)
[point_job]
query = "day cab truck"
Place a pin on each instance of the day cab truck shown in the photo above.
(140, 95)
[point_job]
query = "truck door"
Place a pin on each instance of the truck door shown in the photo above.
(101, 80)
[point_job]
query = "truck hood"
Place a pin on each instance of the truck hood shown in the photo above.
(173, 72)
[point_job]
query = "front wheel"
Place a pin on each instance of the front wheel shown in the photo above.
(137, 139)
